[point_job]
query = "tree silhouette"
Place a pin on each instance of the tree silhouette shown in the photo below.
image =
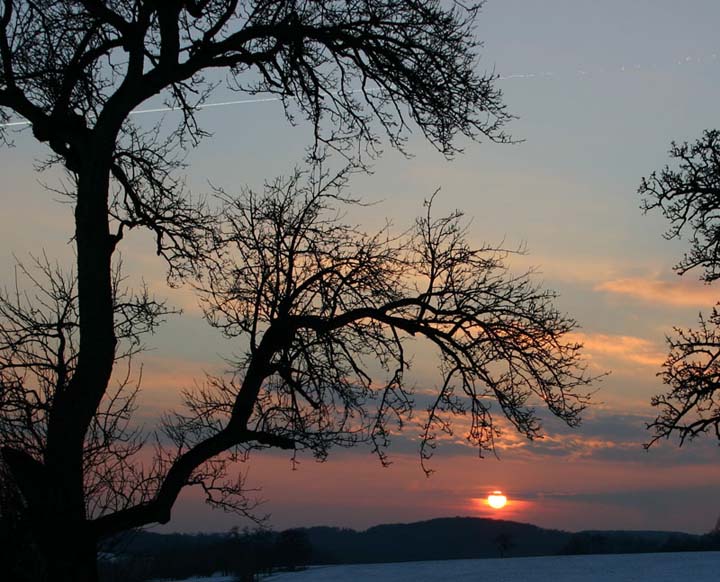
(504, 543)
(359, 72)
(322, 304)
(688, 195)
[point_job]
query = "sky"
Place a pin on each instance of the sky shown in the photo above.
(600, 89)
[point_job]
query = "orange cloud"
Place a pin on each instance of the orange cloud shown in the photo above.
(680, 293)
(628, 348)
(569, 268)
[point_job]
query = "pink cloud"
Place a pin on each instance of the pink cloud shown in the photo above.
(165, 378)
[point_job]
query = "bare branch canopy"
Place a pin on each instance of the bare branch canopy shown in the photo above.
(688, 195)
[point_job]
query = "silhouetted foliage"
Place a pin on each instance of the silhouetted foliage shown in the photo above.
(688, 195)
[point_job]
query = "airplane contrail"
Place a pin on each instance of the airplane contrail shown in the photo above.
(578, 72)
(168, 109)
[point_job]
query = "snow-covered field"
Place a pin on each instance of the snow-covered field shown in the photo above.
(695, 567)
(675, 567)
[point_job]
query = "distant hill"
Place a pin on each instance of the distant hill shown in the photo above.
(436, 539)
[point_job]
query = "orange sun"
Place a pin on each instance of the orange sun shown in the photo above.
(497, 500)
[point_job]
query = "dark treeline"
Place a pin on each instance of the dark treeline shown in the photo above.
(246, 554)
(143, 555)
(140, 556)
(465, 537)
(629, 542)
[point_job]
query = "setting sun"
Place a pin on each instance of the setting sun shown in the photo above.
(497, 500)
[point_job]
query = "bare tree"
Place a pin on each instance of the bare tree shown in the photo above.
(359, 71)
(327, 310)
(688, 195)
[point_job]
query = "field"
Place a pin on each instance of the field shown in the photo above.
(670, 567)
(667, 567)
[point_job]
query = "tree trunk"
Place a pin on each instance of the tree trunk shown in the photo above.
(66, 542)
(58, 544)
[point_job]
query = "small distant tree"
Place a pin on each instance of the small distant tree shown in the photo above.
(688, 195)
(504, 543)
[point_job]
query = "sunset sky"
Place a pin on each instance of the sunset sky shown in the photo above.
(600, 90)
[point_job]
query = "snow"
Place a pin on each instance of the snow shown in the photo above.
(668, 567)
